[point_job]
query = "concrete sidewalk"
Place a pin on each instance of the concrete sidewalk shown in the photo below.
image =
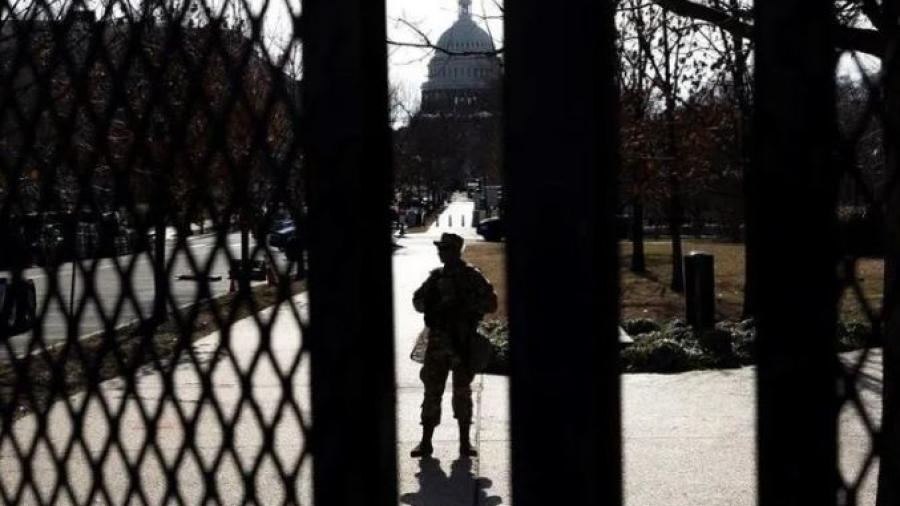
(445, 479)
(211, 444)
(688, 438)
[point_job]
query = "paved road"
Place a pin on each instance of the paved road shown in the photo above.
(107, 275)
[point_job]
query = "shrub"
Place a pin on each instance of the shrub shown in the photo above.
(748, 325)
(743, 338)
(497, 332)
(675, 347)
(717, 341)
(657, 355)
(637, 326)
(745, 348)
(678, 330)
(853, 335)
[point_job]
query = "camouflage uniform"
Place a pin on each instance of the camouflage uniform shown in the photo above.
(454, 298)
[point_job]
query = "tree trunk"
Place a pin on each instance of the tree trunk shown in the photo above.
(739, 72)
(738, 69)
(676, 212)
(750, 274)
(677, 284)
(889, 471)
(675, 206)
(638, 264)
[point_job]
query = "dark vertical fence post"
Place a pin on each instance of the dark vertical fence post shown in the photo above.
(561, 165)
(792, 197)
(889, 472)
(346, 136)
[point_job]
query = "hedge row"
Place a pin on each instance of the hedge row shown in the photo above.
(674, 346)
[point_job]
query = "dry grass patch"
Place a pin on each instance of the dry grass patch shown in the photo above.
(648, 295)
(870, 278)
(490, 258)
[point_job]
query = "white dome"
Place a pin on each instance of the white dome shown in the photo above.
(465, 37)
(464, 58)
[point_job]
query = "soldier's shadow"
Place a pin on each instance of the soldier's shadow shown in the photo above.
(460, 488)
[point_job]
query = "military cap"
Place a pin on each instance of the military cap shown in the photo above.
(450, 241)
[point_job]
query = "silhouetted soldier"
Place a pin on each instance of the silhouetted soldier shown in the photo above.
(454, 298)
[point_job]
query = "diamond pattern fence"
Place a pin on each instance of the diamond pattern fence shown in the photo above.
(150, 156)
(152, 201)
(867, 125)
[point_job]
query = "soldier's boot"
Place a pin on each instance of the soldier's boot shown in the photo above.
(424, 448)
(465, 445)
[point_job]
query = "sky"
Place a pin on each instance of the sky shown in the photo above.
(409, 66)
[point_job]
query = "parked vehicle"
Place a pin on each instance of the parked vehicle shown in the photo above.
(491, 229)
(18, 306)
(281, 233)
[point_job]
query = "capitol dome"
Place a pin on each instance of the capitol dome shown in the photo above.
(465, 64)
(464, 36)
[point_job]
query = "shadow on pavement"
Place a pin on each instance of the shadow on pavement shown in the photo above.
(461, 488)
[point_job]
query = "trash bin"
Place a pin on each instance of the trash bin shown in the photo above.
(699, 290)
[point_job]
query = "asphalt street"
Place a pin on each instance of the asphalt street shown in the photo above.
(110, 299)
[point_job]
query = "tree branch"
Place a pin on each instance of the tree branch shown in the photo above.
(846, 37)
(426, 43)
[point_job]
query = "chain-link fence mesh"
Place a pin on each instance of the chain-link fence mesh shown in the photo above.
(867, 138)
(153, 229)
(152, 254)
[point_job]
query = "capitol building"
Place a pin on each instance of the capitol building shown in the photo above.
(464, 71)
(455, 136)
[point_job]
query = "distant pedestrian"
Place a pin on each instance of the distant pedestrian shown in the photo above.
(454, 298)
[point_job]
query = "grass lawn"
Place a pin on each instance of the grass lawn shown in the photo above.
(490, 257)
(648, 295)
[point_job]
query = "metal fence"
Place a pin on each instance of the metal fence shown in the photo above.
(147, 150)
(123, 122)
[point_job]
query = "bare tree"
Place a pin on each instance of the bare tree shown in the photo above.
(666, 43)
(871, 28)
(636, 87)
(858, 26)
